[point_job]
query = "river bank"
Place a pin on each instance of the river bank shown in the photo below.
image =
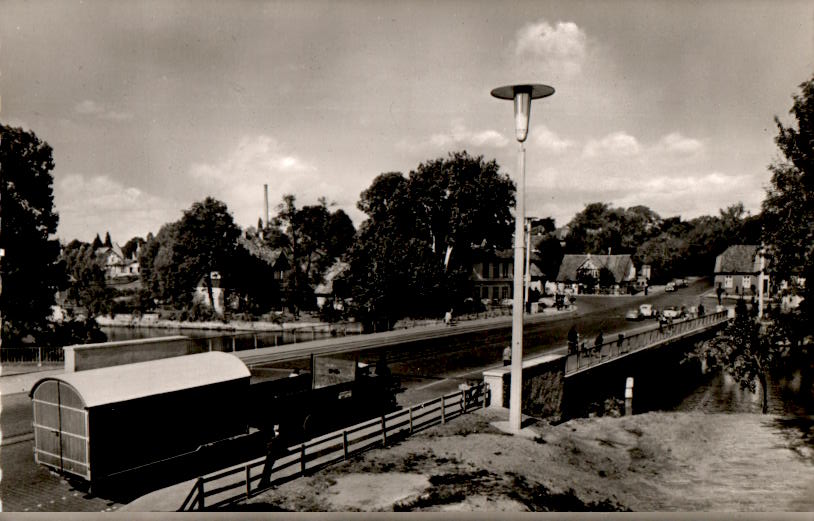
(649, 462)
(152, 321)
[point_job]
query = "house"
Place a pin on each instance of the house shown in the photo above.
(737, 270)
(493, 274)
(201, 294)
(583, 272)
(115, 264)
(330, 289)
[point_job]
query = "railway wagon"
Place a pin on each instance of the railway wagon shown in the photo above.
(102, 423)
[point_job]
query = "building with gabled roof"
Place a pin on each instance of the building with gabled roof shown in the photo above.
(576, 267)
(738, 268)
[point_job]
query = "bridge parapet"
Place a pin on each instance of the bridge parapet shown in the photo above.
(596, 355)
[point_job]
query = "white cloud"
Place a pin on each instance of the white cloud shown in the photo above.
(238, 179)
(459, 136)
(549, 141)
(562, 46)
(95, 109)
(97, 204)
(676, 143)
(617, 144)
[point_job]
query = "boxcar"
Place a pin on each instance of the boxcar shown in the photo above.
(101, 423)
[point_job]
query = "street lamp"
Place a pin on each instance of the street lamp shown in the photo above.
(522, 96)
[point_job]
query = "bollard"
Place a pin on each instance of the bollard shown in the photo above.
(248, 482)
(345, 443)
(629, 396)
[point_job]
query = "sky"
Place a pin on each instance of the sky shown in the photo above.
(151, 106)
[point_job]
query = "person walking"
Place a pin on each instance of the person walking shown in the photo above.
(573, 340)
(507, 356)
(274, 450)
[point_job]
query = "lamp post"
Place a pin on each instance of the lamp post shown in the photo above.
(522, 96)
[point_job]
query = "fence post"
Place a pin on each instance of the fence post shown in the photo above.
(302, 458)
(39, 357)
(411, 419)
(463, 401)
(233, 344)
(384, 432)
(200, 485)
(255, 340)
(248, 482)
(209, 343)
(345, 443)
(443, 409)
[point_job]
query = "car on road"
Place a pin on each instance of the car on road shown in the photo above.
(633, 314)
(646, 310)
(671, 312)
(671, 286)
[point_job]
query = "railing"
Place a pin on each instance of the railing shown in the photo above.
(629, 344)
(31, 355)
(247, 340)
(243, 481)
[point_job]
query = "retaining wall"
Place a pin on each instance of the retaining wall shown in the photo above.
(543, 385)
(106, 354)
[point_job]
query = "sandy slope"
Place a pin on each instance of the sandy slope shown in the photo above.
(655, 461)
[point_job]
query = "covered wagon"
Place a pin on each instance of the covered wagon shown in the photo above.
(101, 423)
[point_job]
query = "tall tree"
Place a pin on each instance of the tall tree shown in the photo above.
(31, 271)
(108, 242)
(188, 251)
(788, 209)
(413, 255)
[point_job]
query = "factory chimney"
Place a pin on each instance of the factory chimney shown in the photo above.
(266, 207)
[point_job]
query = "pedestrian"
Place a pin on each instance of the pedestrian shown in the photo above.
(507, 356)
(274, 449)
(448, 317)
(573, 339)
(599, 340)
(700, 310)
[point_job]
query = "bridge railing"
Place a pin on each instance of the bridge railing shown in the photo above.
(595, 355)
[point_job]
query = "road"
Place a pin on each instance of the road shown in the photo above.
(427, 369)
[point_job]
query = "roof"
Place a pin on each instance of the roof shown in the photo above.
(619, 265)
(336, 269)
(740, 258)
(126, 382)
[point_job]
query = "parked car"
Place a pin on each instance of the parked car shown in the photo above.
(681, 283)
(633, 314)
(671, 286)
(507, 302)
(646, 310)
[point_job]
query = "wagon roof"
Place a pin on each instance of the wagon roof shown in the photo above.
(121, 383)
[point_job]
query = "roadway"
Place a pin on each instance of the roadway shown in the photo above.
(429, 361)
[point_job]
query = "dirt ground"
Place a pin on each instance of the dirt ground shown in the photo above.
(648, 462)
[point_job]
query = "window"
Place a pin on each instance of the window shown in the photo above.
(728, 281)
(746, 282)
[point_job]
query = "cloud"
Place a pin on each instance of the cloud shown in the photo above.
(676, 143)
(668, 174)
(562, 46)
(617, 144)
(88, 205)
(238, 179)
(95, 109)
(458, 136)
(549, 141)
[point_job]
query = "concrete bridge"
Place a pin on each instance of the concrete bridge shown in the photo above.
(554, 383)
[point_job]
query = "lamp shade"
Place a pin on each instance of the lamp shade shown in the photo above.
(522, 96)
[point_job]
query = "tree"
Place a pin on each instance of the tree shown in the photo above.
(31, 271)
(186, 252)
(743, 352)
(97, 242)
(788, 209)
(413, 255)
(87, 287)
(108, 241)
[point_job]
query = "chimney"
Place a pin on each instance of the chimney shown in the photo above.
(266, 207)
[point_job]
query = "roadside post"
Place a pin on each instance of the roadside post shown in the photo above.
(629, 396)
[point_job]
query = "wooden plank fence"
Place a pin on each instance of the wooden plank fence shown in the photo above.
(241, 482)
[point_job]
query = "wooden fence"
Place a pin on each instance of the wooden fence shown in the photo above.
(622, 346)
(243, 481)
